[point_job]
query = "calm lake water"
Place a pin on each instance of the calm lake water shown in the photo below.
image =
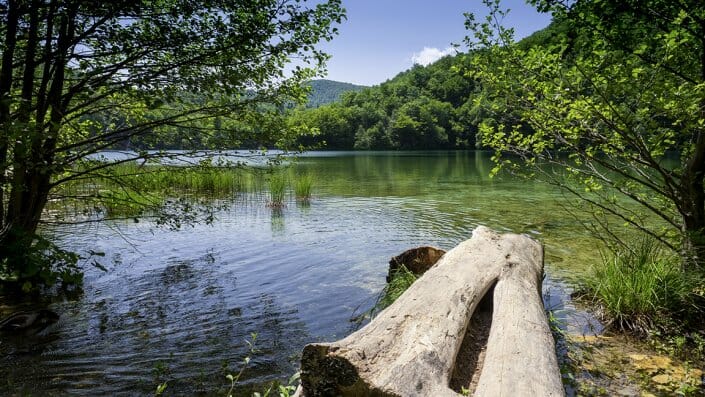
(177, 306)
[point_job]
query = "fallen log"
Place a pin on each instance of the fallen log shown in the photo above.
(413, 348)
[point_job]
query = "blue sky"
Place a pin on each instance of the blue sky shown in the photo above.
(384, 37)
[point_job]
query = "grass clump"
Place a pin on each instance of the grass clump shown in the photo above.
(401, 280)
(164, 178)
(131, 189)
(208, 180)
(643, 290)
(128, 202)
(302, 187)
(212, 181)
(277, 189)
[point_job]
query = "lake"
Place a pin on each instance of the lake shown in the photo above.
(178, 305)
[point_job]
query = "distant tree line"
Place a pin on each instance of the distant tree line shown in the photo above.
(428, 107)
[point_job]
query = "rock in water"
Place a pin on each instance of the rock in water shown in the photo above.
(28, 322)
(416, 260)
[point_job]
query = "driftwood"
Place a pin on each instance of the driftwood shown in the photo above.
(426, 340)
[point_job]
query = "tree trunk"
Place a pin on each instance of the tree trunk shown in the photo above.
(694, 217)
(414, 346)
(6, 69)
(692, 182)
(17, 206)
(33, 150)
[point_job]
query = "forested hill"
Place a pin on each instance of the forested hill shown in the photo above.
(326, 91)
(422, 108)
(425, 107)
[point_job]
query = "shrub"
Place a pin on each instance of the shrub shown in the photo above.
(642, 289)
(43, 265)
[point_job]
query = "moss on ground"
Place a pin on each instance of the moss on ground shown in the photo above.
(623, 366)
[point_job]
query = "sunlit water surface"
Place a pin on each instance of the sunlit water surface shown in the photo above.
(177, 306)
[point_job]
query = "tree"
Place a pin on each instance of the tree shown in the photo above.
(620, 94)
(80, 76)
(422, 123)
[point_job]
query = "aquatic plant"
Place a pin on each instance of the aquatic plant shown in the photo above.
(129, 190)
(400, 281)
(127, 202)
(160, 388)
(234, 379)
(302, 187)
(281, 389)
(158, 178)
(277, 189)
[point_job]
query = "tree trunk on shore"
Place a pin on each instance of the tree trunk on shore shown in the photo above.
(413, 347)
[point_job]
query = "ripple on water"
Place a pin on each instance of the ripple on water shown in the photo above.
(177, 306)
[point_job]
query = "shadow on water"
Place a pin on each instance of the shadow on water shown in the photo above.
(185, 324)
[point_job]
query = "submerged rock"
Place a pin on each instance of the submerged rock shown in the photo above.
(28, 322)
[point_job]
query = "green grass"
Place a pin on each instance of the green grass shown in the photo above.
(400, 282)
(153, 179)
(277, 189)
(208, 180)
(127, 202)
(129, 189)
(643, 289)
(302, 187)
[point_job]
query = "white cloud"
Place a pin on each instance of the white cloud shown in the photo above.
(429, 55)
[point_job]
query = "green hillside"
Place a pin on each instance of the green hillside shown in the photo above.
(438, 106)
(327, 91)
(425, 107)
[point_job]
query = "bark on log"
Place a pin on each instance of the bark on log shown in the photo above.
(416, 260)
(410, 348)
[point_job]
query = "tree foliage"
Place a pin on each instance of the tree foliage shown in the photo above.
(80, 76)
(427, 107)
(608, 104)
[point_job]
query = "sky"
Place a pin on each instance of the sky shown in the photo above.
(382, 38)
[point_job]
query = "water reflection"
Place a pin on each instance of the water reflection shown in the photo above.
(556, 299)
(277, 221)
